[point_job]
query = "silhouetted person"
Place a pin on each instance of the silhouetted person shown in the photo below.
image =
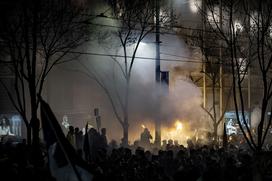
(112, 145)
(76, 130)
(190, 144)
(103, 139)
(71, 136)
(176, 143)
(145, 139)
(79, 140)
(86, 145)
(164, 144)
(93, 142)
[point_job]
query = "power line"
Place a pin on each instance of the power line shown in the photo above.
(163, 27)
(167, 33)
(139, 57)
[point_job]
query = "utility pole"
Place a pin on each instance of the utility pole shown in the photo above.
(158, 72)
(249, 77)
(221, 72)
(203, 57)
(221, 66)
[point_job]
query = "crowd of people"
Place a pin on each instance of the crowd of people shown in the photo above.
(87, 145)
(172, 162)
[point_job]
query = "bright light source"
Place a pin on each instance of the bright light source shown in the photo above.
(143, 44)
(143, 126)
(178, 125)
(242, 65)
(180, 131)
(195, 5)
(213, 16)
(270, 31)
(238, 26)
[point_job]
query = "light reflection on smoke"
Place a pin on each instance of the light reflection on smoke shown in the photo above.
(195, 5)
(179, 131)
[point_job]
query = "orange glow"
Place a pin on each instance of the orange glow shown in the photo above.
(178, 125)
(180, 132)
(230, 138)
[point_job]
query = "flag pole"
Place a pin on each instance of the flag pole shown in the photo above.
(62, 147)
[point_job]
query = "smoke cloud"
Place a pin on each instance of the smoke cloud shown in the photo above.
(78, 90)
(255, 117)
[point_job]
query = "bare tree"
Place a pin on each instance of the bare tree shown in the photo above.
(260, 59)
(36, 36)
(210, 47)
(245, 32)
(136, 21)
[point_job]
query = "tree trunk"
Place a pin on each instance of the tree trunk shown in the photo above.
(35, 131)
(125, 133)
(34, 122)
(125, 124)
(36, 150)
(215, 135)
(215, 130)
(215, 126)
(28, 133)
(35, 125)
